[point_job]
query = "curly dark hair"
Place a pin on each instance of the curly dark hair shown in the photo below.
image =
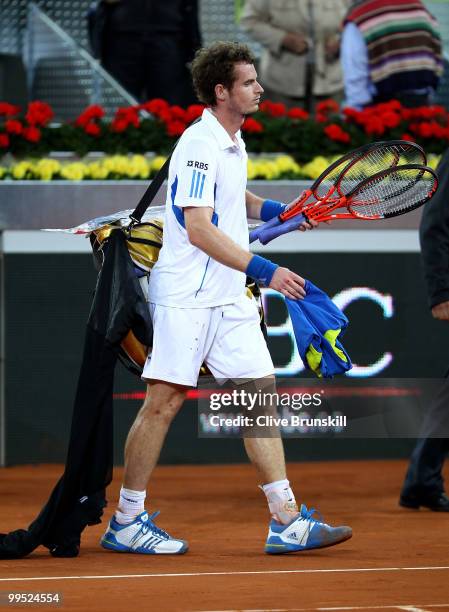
(215, 64)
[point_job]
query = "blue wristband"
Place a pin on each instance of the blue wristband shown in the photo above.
(270, 209)
(261, 269)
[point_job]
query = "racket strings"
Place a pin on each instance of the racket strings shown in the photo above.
(392, 193)
(347, 174)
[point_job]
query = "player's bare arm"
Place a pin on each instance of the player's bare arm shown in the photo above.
(207, 237)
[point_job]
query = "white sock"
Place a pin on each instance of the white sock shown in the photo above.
(131, 504)
(281, 501)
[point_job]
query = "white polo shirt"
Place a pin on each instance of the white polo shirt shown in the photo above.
(207, 169)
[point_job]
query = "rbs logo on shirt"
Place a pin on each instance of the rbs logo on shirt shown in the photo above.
(196, 164)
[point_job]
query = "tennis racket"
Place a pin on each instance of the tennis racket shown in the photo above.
(345, 172)
(348, 171)
(391, 192)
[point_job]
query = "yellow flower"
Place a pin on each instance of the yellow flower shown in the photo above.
(21, 169)
(129, 171)
(97, 171)
(75, 171)
(157, 163)
(272, 171)
(120, 164)
(314, 168)
(251, 169)
(265, 169)
(108, 163)
(140, 166)
(286, 163)
(136, 167)
(260, 169)
(46, 168)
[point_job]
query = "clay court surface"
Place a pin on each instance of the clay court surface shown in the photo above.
(397, 559)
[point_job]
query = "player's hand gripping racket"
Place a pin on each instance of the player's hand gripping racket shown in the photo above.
(343, 175)
(389, 193)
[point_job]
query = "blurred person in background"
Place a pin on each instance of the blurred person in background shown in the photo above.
(146, 45)
(423, 484)
(301, 48)
(390, 51)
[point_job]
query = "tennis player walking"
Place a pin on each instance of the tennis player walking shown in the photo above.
(200, 310)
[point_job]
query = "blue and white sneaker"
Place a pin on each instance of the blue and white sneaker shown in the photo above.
(303, 533)
(141, 536)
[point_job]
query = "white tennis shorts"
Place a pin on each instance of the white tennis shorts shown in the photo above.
(228, 339)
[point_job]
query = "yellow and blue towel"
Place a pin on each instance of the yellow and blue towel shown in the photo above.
(318, 325)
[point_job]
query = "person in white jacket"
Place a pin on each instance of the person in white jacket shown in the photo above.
(300, 41)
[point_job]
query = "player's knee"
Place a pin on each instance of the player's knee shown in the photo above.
(163, 406)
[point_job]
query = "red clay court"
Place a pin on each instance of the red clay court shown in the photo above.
(397, 559)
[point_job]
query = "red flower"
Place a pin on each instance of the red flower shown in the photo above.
(424, 112)
(9, 110)
(390, 119)
(130, 114)
(193, 112)
(92, 129)
(327, 106)
(32, 133)
(274, 109)
(175, 128)
(92, 112)
(252, 126)
(321, 118)
(363, 117)
(13, 126)
(425, 129)
(298, 113)
(428, 112)
(374, 125)
(39, 113)
(165, 115)
(178, 113)
(278, 110)
(155, 106)
(351, 113)
(438, 110)
(334, 132)
(391, 105)
(438, 130)
(124, 117)
(119, 125)
(407, 113)
(406, 136)
(4, 141)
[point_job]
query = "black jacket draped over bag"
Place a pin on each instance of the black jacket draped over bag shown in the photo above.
(78, 498)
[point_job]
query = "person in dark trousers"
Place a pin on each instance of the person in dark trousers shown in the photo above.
(148, 44)
(423, 484)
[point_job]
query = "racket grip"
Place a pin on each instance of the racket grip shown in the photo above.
(254, 234)
(270, 233)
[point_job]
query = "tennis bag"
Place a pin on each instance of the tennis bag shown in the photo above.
(144, 241)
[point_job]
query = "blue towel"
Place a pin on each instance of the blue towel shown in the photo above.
(318, 325)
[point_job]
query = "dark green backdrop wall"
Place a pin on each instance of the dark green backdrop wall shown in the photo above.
(47, 300)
